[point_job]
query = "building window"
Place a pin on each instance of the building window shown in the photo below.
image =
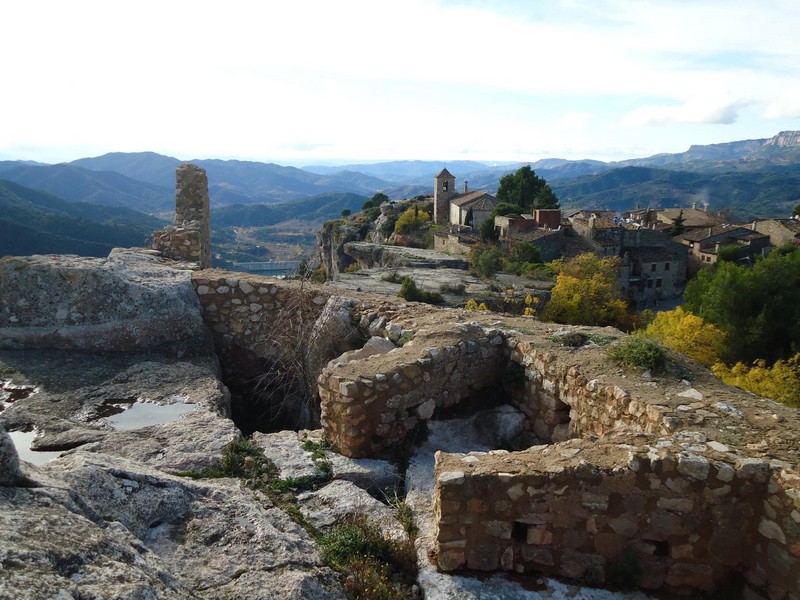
(649, 283)
(658, 282)
(444, 186)
(666, 266)
(653, 267)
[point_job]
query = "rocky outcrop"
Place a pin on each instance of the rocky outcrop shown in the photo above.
(10, 473)
(330, 243)
(131, 300)
(117, 529)
(370, 256)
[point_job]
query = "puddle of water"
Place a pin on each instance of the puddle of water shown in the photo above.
(144, 414)
(23, 440)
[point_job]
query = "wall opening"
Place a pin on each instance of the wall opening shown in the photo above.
(267, 395)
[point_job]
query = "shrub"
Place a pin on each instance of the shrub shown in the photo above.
(409, 291)
(637, 352)
(486, 262)
(453, 288)
(371, 561)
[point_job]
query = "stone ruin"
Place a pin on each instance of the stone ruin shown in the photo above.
(670, 484)
(677, 483)
(189, 237)
(673, 482)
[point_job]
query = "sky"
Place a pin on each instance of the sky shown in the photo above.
(302, 82)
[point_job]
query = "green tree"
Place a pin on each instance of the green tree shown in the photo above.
(346, 212)
(678, 225)
(728, 253)
(588, 292)
(375, 201)
(507, 208)
(758, 308)
(488, 232)
(527, 190)
(796, 211)
(486, 261)
(470, 218)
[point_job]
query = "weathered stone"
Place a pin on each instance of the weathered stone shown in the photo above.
(129, 301)
(10, 473)
(694, 466)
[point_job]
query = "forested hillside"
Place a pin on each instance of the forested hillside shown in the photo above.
(34, 222)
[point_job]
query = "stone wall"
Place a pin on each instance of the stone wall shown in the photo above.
(274, 336)
(189, 238)
(373, 404)
(679, 509)
(676, 482)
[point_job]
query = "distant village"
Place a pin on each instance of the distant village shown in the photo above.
(660, 249)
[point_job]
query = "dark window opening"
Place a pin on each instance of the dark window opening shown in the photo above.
(666, 266)
(519, 532)
(658, 283)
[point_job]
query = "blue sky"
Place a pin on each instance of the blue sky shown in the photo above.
(309, 82)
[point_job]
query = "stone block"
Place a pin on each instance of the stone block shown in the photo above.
(691, 575)
(539, 536)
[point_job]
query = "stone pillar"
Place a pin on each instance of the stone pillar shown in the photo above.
(192, 209)
(189, 239)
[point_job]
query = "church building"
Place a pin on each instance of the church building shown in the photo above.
(452, 208)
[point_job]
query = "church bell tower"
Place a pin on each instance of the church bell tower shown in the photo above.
(444, 189)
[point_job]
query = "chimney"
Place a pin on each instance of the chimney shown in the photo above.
(694, 205)
(465, 186)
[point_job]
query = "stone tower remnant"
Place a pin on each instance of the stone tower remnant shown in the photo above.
(189, 238)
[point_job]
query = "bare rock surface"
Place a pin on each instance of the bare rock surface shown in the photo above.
(116, 528)
(131, 300)
(340, 501)
(376, 255)
(286, 450)
(10, 472)
(76, 392)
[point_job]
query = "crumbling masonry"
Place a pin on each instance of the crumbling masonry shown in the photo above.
(677, 482)
(189, 238)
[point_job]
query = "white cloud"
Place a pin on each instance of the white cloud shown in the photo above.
(276, 79)
(716, 111)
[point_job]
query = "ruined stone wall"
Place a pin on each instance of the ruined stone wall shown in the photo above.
(562, 403)
(677, 508)
(373, 404)
(189, 238)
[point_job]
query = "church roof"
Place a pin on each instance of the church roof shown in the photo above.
(474, 199)
(445, 173)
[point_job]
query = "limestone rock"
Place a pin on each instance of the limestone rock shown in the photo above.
(334, 332)
(9, 460)
(339, 501)
(370, 256)
(117, 529)
(129, 301)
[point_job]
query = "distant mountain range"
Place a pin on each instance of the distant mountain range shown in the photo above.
(750, 177)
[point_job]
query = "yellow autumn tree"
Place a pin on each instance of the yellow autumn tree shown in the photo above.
(781, 381)
(588, 292)
(411, 219)
(688, 334)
